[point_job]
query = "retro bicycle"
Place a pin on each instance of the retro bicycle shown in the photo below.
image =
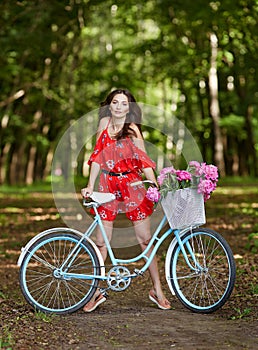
(61, 268)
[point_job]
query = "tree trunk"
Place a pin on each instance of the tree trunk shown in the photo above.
(252, 159)
(214, 105)
(48, 163)
(30, 167)
(4, 162)
(17, 166)
(203, 141)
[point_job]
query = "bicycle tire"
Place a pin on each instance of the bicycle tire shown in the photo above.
(50, 294)
(203, 291)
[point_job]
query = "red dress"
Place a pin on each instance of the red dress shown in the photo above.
(119, 156)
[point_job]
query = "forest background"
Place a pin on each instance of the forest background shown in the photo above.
(197, 61)
(192, 61)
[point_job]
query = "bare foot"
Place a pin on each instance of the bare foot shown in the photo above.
(162, 303)
(94, 303)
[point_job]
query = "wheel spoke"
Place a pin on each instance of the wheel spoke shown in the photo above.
(43, 261)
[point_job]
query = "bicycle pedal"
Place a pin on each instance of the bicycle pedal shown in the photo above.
(104, 293)
(138, 272)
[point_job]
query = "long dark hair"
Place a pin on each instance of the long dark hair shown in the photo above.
(133, 116)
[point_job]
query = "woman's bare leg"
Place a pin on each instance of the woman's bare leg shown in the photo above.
(142, 231)
(108, 226)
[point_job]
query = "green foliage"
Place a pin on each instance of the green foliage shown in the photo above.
(239, 314)
(6, 339)
(2, 295)
(23, 190)
(254, 289)
(252, 243)
(63, 64)
(234, 124)
(41, 316)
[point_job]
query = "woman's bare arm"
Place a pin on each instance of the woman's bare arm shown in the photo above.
(103, 123)
(139, 142)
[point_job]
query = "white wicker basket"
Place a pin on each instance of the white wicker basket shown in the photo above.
(184, 208)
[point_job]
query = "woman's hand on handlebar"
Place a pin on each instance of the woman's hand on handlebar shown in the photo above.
(86, 191)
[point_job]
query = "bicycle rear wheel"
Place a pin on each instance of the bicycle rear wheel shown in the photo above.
(207, 287)
(40, 282)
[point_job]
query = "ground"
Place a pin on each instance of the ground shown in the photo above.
(129, 320)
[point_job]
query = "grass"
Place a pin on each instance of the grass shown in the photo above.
(230, 186)
(238, 181)
(23, 189)
(252, 244)
(239, 313)
(6, 339)
(41, 316)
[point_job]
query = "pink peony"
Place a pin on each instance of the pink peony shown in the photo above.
(163, 174)
(169, 169)
(161, 178)
(206, 196)
(197, 167)
(153, 194)
(200, 168)
(194, 164)
(206, 187)
(211, 172)
(183, 175)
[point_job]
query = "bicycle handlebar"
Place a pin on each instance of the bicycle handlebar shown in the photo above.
(136, 183)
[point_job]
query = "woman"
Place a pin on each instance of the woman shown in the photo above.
(120, 156)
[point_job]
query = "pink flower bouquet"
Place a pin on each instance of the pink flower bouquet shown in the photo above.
(153, 194)
(201, 176)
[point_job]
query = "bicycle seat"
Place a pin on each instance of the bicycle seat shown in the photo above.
(101, 198)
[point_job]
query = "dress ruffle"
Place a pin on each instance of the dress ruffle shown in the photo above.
(119, 156)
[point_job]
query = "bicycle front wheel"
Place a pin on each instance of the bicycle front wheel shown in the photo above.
(207, 284)
(45, 288)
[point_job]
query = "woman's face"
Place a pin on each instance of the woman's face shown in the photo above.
(119, 106)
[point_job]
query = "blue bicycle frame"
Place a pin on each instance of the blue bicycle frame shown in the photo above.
(155, 241)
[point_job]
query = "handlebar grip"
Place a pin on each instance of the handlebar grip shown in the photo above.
(140, 182)
(136, 183)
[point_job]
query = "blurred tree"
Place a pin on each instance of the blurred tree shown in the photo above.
(60, 58)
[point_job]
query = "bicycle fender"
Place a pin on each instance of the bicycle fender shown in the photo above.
(25, 249)
(168, 259)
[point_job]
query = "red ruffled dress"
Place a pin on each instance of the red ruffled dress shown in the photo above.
(118, 156)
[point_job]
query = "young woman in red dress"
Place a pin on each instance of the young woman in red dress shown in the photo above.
(120, 157)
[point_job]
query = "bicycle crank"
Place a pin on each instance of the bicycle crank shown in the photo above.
(118, 278)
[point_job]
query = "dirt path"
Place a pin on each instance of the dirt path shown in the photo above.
(133, 327)
(127, 320)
